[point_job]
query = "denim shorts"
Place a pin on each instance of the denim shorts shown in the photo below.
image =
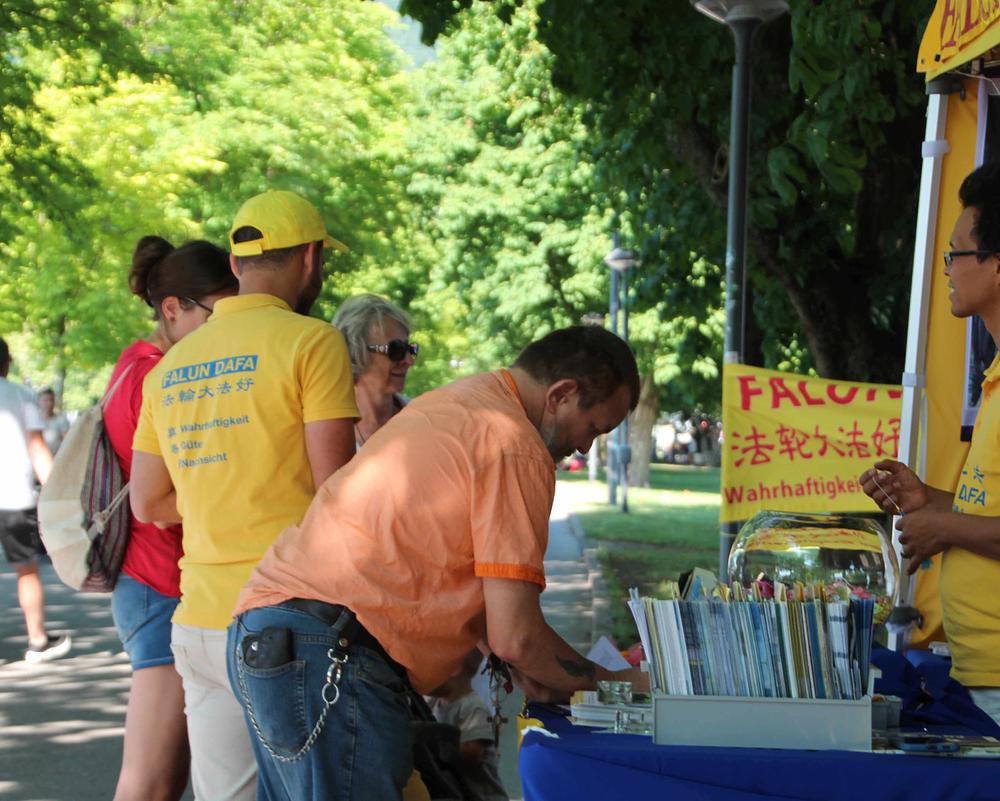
(142, 617)
(358, 747)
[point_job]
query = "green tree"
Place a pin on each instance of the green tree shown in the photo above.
(837, 122)
(503, 169)
(70, 280)
(497, 176)
(93, 47)
(308, 97)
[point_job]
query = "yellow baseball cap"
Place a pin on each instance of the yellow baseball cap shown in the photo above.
(284, 219)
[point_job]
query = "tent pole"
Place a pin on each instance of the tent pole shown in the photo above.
(912, 438)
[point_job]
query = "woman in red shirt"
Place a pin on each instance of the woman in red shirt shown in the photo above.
(181, 285)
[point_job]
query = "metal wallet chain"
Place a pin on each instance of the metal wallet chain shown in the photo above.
(333, 675)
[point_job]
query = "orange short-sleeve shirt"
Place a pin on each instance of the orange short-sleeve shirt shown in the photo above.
(456, 487)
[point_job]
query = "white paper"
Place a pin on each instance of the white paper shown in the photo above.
(607, 656)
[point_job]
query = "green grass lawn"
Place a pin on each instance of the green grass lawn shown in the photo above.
(671, 527)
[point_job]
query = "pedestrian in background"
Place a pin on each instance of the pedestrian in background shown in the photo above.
(456, 704)
(25, 462)
(55, 424)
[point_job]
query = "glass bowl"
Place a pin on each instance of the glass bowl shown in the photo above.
(849, 555)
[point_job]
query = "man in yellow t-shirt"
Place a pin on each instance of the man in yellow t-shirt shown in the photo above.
(964, 525)
(241, 421)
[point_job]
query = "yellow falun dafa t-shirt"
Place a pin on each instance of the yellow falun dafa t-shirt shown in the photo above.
(970, 604)
(226, 408)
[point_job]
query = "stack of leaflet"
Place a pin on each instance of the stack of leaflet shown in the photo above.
(586, 710)
(730, 645)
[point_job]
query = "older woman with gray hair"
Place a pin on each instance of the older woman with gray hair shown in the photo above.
(378, 339)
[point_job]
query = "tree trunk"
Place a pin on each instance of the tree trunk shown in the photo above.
(641, 431)
(61, 360)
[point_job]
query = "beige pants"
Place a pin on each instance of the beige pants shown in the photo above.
(222, 761)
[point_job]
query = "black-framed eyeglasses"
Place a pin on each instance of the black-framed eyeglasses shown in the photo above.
(396, 349)
(951, 255)
(199, 304)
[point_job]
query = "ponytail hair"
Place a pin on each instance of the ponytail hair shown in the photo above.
(193, 271)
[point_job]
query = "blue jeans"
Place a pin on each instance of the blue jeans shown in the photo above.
(358, 748)
(142, 617)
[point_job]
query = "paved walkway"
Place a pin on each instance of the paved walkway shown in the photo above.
(61, 723)
(572, 584)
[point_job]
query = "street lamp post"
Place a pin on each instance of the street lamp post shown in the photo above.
(593, 455)
(612, 460)
(619, 449)
(743, 17)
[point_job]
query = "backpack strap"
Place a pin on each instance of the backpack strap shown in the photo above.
(114, 387)
(100, 520)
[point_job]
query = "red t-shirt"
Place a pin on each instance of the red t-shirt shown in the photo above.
(152, 553)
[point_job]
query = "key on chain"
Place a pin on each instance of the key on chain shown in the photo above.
(500, 678)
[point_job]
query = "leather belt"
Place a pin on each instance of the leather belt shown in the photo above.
(352, 631)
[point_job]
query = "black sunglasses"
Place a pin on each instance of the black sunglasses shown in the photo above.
(396, 349)
(951, 255)
(199, 304)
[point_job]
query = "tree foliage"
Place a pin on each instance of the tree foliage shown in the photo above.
(504, 174)
(481, 190)
(504, 171)
(836, 126)
(308, 97)
(91, 47)
(499, 179)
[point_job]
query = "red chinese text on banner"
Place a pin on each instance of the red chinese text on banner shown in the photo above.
(798, 444)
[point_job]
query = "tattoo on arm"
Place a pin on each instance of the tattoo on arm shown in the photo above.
(578, 669)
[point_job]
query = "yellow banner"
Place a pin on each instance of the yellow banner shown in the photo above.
(798, 444)
(841, 539)
(958, 31)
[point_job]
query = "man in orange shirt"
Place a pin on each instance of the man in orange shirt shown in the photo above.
(427, 543)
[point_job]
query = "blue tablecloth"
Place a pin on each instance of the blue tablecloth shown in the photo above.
(583, 765)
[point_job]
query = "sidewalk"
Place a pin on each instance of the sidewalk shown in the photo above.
(61, 723)
(574, 604)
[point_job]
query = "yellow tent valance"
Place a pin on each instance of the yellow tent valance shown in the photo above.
(958, 31)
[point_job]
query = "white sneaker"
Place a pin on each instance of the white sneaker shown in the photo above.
(54, 648)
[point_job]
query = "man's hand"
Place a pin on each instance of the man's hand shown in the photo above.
(640, 680)
(923, 534)
(535, 691)
(518, 634)
(895, 487)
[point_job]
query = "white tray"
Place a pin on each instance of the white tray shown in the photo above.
(736, 722)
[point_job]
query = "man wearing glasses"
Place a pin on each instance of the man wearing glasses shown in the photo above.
(963, 525)
(429, 543)
(241, 421)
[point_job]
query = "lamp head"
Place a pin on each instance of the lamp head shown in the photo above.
(733, 10)
(621, 259)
